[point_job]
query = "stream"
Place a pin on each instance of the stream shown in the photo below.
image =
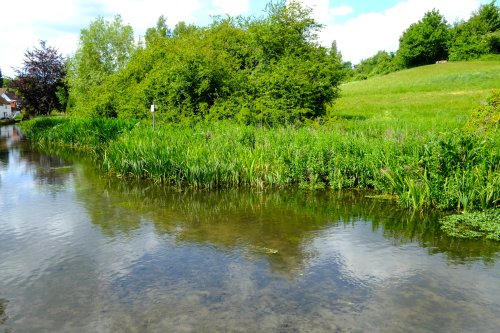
(83, 252)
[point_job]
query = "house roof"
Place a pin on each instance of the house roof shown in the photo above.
(9, 94)
(3, 101)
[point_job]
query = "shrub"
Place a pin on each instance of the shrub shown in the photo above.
(486, 117)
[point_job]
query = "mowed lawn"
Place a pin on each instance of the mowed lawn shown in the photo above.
(434, 97)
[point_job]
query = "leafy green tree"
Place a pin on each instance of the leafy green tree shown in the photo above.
(269, 69)
(466, 43)
(294, 77)
(424, 42)
(105, 48)
(156, 34)
(38, 81)
(486, 19)
(477, 36)
(381, 63)
(182, 28)
(287, 29)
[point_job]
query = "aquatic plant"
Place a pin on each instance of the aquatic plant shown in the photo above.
(485, 224)
(88, 135)
(451, 170)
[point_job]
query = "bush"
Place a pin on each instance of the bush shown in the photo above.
(486, 117)
(268, 70)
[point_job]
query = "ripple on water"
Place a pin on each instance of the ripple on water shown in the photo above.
(82, 255)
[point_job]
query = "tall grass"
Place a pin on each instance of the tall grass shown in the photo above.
(89, 136)
(449, 170)
(398, 134)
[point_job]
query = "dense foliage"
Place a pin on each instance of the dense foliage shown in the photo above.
(485, 224)
(478, 36)
(381, 63)
(254, 70)
(40, 81)
(105, 48)
(486, 117)
(432, 39)
(424, 42)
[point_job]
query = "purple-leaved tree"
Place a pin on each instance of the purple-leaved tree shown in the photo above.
(40, 82)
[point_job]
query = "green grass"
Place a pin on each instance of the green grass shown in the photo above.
(428, 98)
(90, 136)
(452, 170)
(400, 134)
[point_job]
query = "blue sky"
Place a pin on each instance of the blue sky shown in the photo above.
(360, 27)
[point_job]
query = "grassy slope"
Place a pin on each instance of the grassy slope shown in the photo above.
(434, 97)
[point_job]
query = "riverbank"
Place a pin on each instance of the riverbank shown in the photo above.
(453, 170)
(4, 122)
(156, 259)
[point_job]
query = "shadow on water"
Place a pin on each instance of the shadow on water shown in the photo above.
(3, 314)
(276, 225)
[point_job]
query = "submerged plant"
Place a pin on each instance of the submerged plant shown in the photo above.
(485, 224)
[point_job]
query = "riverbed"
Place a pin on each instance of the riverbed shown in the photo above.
(84, 252)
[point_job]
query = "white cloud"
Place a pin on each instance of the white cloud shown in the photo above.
(59, 21)
(231, 7)
(341, 10)
(28, 22)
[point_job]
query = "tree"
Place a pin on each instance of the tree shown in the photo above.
(466, 43)
(40, 78)
(477, 36)
(161, 31)
(424, 42)
(105, 48)
(379, 64)
(1, 79)
(486, 19)
(269, 69)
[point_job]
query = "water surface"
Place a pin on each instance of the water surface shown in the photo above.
(81, 252)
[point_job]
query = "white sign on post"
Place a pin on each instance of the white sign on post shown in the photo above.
(153, 113)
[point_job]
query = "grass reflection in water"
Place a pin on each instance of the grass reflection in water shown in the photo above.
(276, 225)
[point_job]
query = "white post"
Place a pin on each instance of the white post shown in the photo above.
(153, 109)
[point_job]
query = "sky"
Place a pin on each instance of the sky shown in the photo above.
(360, 27)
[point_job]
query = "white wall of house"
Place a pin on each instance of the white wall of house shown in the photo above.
(5, 111)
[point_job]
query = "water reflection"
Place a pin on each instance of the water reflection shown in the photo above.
(277, 225)
(85, 253)
(3, 315)
(50, 171)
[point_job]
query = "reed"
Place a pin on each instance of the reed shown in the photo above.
(451, 170)
(89, 136)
